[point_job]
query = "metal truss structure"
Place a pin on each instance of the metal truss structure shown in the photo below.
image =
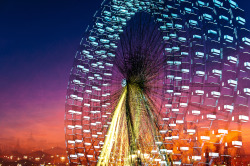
(160, 82)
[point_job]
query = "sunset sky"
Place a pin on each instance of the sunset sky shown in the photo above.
(38, 41)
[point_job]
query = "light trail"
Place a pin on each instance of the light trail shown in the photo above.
(133, 129)
(108, 143)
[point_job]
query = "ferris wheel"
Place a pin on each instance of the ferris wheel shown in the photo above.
(159, 83)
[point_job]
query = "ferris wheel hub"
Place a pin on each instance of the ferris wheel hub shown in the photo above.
(124, 82)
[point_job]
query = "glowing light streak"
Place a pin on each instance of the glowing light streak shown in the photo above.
(106, 150)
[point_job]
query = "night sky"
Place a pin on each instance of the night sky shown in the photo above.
(38, 41)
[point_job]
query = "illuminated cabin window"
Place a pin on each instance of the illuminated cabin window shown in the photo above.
(176, 49)
(223, 18)
(236, 143)
(91, 38)
(179, 121)
(196, 157)
(228, 107)
(178, 78)
(215, 94)
(232, 82)
(212, 154)
(183, 104)
(243, 118)
(233, 4)
(175, 110)
(170, 62)
(247, 65)
(185, 87)
(163, 28)
(228, 38)
(247, 91)
(222, 131)
(207, 17)
(177, 162)
(173, 35)
(165, 38)
(174, 15)
(199, 54)
(205, 138)
(169, 25)
(232, 59)
(185, 70)
(218, 3)
(80, 154)
(170, 91)
(165, 16)
(199, 92)
(188, 10)
(246, 40)
(168, 50)
(216, 72)
(192, 131)
(212, 32)
(193, 22)
(240, 20)
(178, 26)
(202, 3)
(215, 51)
(78, 141)
(71, 142)
(73, 156)
(196, 36)
(211, 117)
(200, 73)
(90, 156)
(195, 112)
(184, 148)
(182, 39)
(184, 53)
